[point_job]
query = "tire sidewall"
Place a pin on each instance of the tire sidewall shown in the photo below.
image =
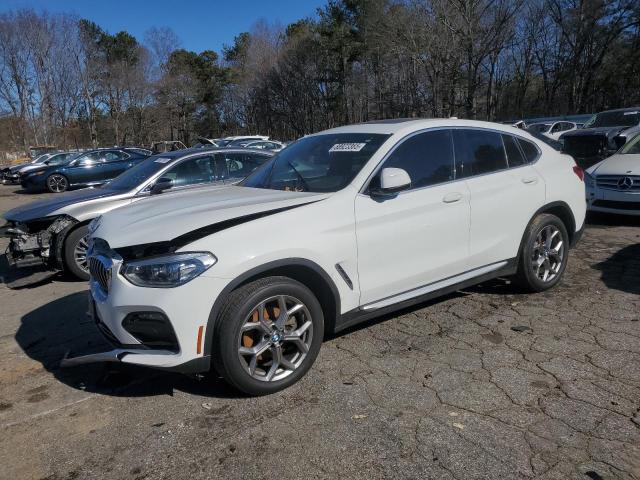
(229, 329)
(536, 226)
(69, 246)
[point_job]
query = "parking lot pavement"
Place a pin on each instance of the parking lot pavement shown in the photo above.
(484, 383)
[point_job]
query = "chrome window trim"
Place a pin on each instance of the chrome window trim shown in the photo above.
(365, 186)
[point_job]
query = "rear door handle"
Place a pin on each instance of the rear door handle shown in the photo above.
(452, 197)
(530, 180)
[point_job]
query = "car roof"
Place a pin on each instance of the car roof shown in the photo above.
(409, 125)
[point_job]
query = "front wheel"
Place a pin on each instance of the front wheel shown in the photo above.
(268, 335)
(544, 255)
(57, 183)
(75, 253)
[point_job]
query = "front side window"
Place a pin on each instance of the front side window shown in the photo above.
(427, 158)
(115, 156)
(319, 163)
(479, 152)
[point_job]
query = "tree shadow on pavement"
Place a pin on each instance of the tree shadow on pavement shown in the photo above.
(621, 271)
(49, 332)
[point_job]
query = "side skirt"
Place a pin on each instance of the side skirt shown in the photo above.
(361, 314)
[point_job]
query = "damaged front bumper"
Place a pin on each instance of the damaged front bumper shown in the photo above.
(133, 354)
(36, 244)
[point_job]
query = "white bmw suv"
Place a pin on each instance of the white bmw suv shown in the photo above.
(337, 228)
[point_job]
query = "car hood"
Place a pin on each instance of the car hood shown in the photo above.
(50, 207)
(617, 165)
(15, 168)
(157, 219)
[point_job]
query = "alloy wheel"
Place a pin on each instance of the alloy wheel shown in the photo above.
(57, 183)
(275, 338)
(548, 253)
(80, 253)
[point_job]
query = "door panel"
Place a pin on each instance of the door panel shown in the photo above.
(411, 240)
(502, 199)
(418, 236)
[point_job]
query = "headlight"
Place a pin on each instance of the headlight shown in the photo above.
(589, 180)
(167, 271)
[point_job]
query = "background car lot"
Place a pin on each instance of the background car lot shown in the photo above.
(485, 383)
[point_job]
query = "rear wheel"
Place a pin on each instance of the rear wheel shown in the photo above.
(268, 335)
(57, 183)
(544, 255)
(75, 253)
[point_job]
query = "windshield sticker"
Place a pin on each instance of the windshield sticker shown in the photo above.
(631, 113)
(163, 160)
(347, 147)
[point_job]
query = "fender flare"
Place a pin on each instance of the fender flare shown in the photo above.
(571, 229)
(256, 272)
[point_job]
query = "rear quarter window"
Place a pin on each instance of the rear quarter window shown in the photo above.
(531, 152)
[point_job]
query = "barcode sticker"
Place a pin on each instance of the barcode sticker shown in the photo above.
(163, 160)
(347, 147)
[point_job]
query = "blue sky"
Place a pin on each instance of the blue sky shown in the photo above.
(200, 24)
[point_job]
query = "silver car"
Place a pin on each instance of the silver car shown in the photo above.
(52, 234)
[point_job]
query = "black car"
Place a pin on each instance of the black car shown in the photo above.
(88, 169)
(603, 135)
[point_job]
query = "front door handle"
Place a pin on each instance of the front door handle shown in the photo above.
(452, 197)
(530, 180)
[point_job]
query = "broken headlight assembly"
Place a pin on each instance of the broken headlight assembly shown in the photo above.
(167, 271)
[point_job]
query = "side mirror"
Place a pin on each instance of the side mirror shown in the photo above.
(47, 162)
(162, 184)
(391, 181)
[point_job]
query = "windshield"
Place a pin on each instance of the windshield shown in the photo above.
(321, 163)
(42, 158)
(614, 119)
(135, 176)
(632, 147)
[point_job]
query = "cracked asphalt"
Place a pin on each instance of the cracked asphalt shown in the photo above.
(485, 383)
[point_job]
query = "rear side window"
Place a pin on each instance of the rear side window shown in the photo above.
(479, 152)
(514, 155)
(427, 158)
(529, 149)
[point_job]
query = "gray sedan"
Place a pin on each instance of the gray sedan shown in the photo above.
(52, 234)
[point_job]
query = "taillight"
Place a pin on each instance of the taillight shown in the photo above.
(579, 172)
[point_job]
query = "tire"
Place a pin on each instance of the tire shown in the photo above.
(541, 252)
(302, 330)
(57, 183)
(73, 245)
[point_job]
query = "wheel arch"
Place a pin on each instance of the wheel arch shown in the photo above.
(63, 236)
(304, 271)
(560, 209)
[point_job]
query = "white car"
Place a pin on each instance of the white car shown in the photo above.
(613, 185)
(339, 227)
(553, 130)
